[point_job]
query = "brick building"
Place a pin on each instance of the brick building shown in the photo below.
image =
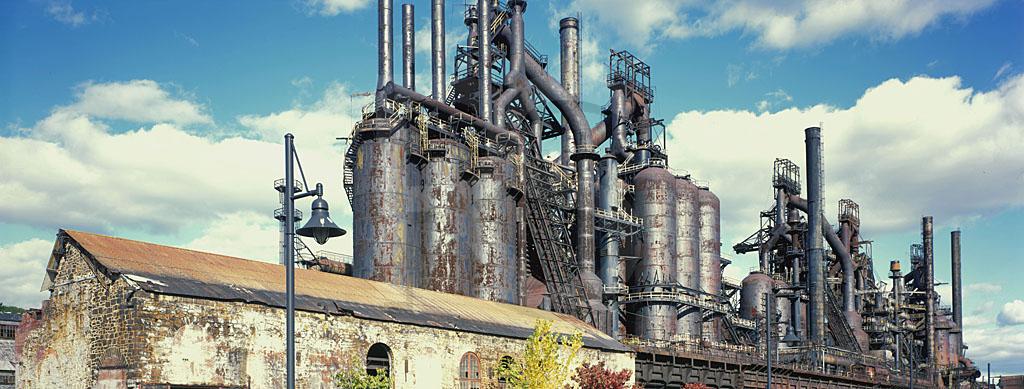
(128, 314)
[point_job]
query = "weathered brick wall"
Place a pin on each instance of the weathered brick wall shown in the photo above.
(195, 341)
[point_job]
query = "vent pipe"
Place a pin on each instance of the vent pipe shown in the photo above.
(483, 44)
(569, 55)
(814, 250)
(927, 240)
(385, 67)
(958, 314)
(437, 50)
(408, 47)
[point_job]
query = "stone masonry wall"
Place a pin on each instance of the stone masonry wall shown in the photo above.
(204, 342)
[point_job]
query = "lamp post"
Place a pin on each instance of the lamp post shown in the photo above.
(320, 227)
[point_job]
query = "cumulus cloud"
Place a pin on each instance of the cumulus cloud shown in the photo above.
(1011, 314)
(904, 149)
(137, 100)
(775, 25)
(335, 7)
(23, 264)
(983, 288)
(1002, 346)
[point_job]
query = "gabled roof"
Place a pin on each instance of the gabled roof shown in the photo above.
(177, 271)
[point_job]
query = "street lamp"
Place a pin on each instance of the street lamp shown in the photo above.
(320, 227)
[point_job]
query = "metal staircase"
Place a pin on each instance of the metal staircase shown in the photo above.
(347, 177)
(551, 238)
(840, 330)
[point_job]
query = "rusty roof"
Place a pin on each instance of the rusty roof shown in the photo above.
(177, 271)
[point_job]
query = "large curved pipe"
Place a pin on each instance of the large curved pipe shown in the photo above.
(843, 253)
(492, 131)
(516, 84)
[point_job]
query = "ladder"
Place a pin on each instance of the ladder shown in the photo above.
(348, 170)
(551, 238)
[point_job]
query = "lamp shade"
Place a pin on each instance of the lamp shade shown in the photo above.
(320, 226)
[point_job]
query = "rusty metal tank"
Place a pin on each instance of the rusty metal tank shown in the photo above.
(655, 203)
(755, 287)
(446, 244)
(687, 253)
(385, 239)
(710, 253)
(492, 231)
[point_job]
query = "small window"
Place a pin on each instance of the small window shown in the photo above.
(378, 359)
(6, 377)
(469, 371)
(7, 331)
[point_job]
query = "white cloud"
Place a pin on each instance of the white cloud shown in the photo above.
(142, 101)
(773, 99)
(1012, 313)
(776, 25)
(983, 288)
(1003, 70)
(906, 148)
(335, 7)
(63, 12)
(23, 264)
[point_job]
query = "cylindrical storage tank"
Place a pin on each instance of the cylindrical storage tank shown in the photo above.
(656, 271)
(445, 204)
(755, 287)
(688, 252)
(710, 253)
(492, 231)
(382, 195)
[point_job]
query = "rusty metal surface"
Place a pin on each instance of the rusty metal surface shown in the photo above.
(687, 249)
(445, 202)
(710, 252)
(176, 271)
(382, 246)
(655, 203)
(494, 268)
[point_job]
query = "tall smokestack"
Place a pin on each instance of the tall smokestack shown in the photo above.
(814, 250)
(569, 55)
(385, 67)
(437, 50)
(408, 47)
(929, 283)
(958, 314)
(483, 25)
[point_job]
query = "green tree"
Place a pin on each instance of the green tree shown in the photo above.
(547, 361)
(355, 376)
(11, 309)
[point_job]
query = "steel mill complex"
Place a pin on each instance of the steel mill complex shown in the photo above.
(466, 231)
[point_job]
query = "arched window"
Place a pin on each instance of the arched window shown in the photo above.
(469, 371)
(378, 359)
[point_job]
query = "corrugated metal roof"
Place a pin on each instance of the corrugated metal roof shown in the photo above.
(171, 270)
(8, 316)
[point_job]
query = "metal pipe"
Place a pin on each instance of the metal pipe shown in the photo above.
(619, 113)
(608, 200)
(927, 242)
(796, 306)
(384, 47)
(957, 292)
(437, 49)
(568, 33)
(483, 42)
(813, 247)
(492, 131)
(408, 47)
(515, 73)
(845, 258)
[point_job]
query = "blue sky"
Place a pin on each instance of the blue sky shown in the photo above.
(162, 120)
